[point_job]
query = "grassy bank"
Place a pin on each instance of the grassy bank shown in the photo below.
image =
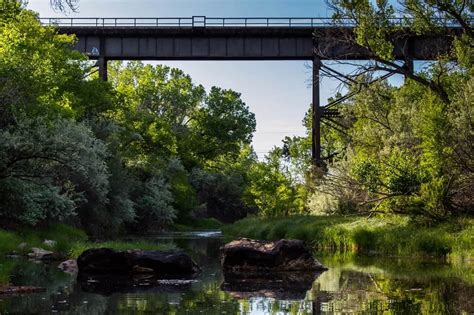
(79, 247)
(68, 241)
(388, 235)
(21, 242)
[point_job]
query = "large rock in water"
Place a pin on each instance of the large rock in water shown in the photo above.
(159, 263)
(282, 269)
(263, 256)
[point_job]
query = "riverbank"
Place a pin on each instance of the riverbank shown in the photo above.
(389, 236)
(64, 240)
(354, 282)
(57, 238)
(392, 236)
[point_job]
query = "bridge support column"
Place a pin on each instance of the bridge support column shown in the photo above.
(409, 53)
(410, 64)
(102, 64)
(316, 115)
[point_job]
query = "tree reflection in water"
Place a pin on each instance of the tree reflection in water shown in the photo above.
(353, 284)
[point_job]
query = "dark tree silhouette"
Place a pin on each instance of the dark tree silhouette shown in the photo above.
(64, 5)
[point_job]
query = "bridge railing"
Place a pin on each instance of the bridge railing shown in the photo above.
(188, 22)
(206, 22)
(193, 22)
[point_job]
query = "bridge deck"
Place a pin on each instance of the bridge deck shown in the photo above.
(201, 38)
(238, 43)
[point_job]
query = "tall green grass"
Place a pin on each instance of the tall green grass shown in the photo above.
(63, 235)
(70, 241)
(387, 235)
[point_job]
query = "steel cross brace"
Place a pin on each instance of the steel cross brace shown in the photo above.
(326, 114)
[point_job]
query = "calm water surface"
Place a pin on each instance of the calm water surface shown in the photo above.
(352, 285)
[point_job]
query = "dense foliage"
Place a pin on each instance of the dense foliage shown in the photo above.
(146, 149)
(151, 147)
(395, 149)
(408, 149)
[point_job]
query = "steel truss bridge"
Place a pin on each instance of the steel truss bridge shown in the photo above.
(259, 38)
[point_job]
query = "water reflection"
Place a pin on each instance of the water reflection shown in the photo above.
(280, 285)
(353, 284)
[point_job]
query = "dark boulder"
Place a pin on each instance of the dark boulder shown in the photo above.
(161, 264)
(283, 269)
(264, 256)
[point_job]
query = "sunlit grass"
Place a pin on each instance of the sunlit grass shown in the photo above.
(388, 235)
(63, 235)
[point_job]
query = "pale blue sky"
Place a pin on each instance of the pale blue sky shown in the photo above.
(276, 91)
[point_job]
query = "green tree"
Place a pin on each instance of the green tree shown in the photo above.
(403, 148)
(272, 189)
(168, 114)
(172, 127)
(52, 164)
(43, 169)
(380, 26)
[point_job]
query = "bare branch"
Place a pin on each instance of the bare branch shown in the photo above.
(64, 5)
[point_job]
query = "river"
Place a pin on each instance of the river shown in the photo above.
(354, 284)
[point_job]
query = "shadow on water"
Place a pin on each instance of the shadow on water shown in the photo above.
(353, 284)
